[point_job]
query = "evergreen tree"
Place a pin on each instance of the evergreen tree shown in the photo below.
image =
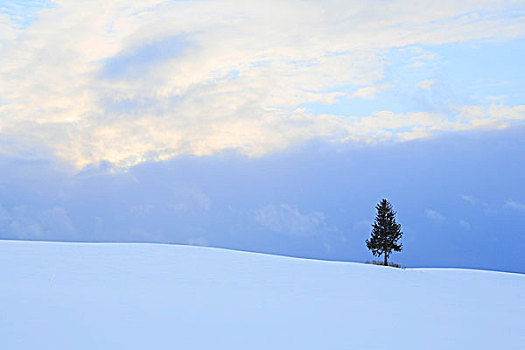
(386, 232)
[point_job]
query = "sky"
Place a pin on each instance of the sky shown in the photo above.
(270, 126)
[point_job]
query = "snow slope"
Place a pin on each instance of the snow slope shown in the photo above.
(147, 296)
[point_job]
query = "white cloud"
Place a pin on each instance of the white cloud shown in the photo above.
(57, 221)
(141, 209)
(370, 92)
(473, 200)
(476, 202)
(464, 225)
(362, 225)
(434, 215)
(498, 98)
(287, 219)
(130, 81)
(421, 58)
(186, 199)
(5, 218)
(198, 241)
(469, 199)
(23, 222)
(426, 84)
(515, 205)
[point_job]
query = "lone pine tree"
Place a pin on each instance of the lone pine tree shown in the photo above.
(386, 232)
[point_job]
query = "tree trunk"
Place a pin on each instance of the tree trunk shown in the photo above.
(385, 252)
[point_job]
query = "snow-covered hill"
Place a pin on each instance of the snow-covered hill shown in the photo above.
(146, 296)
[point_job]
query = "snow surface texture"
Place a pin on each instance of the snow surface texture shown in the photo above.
(147, 296)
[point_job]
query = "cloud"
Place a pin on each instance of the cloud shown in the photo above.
(470, 199)
(370, 92)
(426, 84)
(515, 205)
(464, 224)
(198, 241)
(362, 225)
(132, 81)
(287, 219)
(187, 199)
(434, 216)
(141, 210)
(498, 98)
(421, 58)
(476, 202)
(26, 223)
(5, 217)
(57, 221)
(473, 200)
